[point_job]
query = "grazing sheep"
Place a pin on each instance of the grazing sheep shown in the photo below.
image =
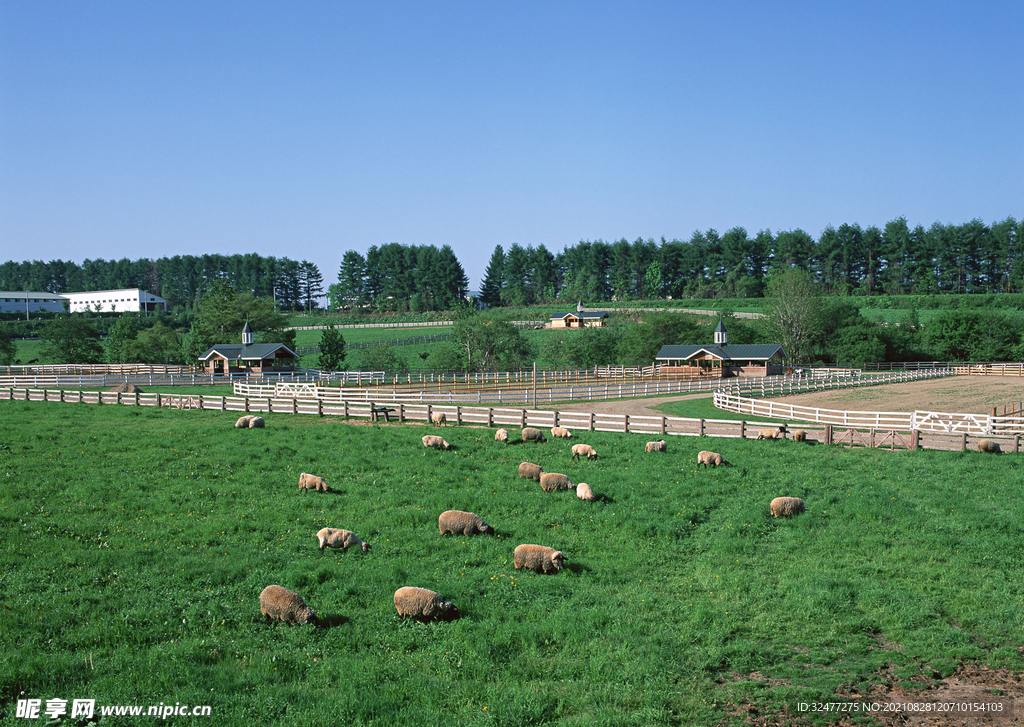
(423, 604)
(987, 445)
(786, 506)
(243, 422)
(660, 446)
(256, 423)
(774, 433)
(799, 436)
(429, 440)
(312, 482)
(584, 492)
(501, 436)
(711, 458)
(537, 558)
(533, 435)
(551, 481)
(583, 450)
(288, 606)
(437, 418)
(336, 538)
(561, 433)
(530, 471)
(459, 522)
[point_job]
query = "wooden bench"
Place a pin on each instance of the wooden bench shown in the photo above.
(376, 411)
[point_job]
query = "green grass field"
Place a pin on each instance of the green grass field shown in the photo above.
(136, 543)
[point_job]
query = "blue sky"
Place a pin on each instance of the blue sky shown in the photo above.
(306, 129)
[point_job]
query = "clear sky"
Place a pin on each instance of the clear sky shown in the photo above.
(305, 129)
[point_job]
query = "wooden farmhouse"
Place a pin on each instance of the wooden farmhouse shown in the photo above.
(227, 358)
(579, 319)
(721, 360)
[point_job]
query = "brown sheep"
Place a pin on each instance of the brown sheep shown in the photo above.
(786, 506)
(530, 471)
(277, 602)
(533, 435)
(711, 458)
(799, 436)
(660, 446)
(337, 538)
(583, 450)
(312, 482)
(987, 445)
(537, 558)
(774, 433)
(501, 436)
(430, 440)
(459, 522)
(423, 604)
(552, 481)
(584, 492)
(561, 433)
(437, 418)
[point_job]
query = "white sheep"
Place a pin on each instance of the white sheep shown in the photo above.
(243, 422)
(312, 482)
(460, 522)
(530, 471)
(501, 436)
(774, 433)
(288, 606)
(533, 435)
(424, 604)
(584, 492)
(583, 450)
(430, 440)
(660, 446)
(552, 481)
(337, 538)
(537, 558)
(561, 433)
(786, 506)
(711, 459)
(437, 418)
(256, 423)
(987, 445)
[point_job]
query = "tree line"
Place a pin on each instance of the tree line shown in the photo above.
(181, 280)
(400, 277)
(973, 257)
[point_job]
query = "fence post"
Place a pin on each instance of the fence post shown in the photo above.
(246, 402)
(458, 414)
(915, 438)
(401, 412)
(663, 420)
(743, 430)
(702, 427)
(490, 417)
(345, 402)
(828, 434)
(522, 416)
(591, 421)
(1016, 443)
(625, 423)
(963, 442)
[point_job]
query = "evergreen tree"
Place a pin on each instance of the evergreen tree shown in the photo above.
(332, 349)
(490, 289)
(8, 351)
(121, 340)
(312, 283)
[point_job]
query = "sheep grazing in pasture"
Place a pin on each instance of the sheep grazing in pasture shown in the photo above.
(660, 446)
(537, 558)
(530, 471)
(773, 433)
(584, 492)
(799, 435)
(277, 602)
(459, 522)
(256, 423)
(501, 436)
(243, 422)
(312, 482)
(711, 459)
(583, 450)
(987, 445)
(423, 604)
(429, 440)
(552, 481)
(337, 538)
(786, 506)
(533, 435)
(561, 433)
(437, 418)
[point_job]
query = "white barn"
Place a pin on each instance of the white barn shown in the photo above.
(29, 301)
(128, 300)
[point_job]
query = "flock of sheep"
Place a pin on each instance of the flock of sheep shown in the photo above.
(277, 602)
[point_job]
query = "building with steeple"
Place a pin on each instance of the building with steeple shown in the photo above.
(225, 358)
(720, 359)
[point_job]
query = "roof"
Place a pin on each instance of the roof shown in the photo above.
(582, 314)
(720, 328)
(254, 352)
(30, 294)
(731, 352)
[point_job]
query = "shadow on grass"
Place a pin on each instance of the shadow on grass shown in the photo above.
(329, 622)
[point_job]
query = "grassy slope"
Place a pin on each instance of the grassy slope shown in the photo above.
(141, 539)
